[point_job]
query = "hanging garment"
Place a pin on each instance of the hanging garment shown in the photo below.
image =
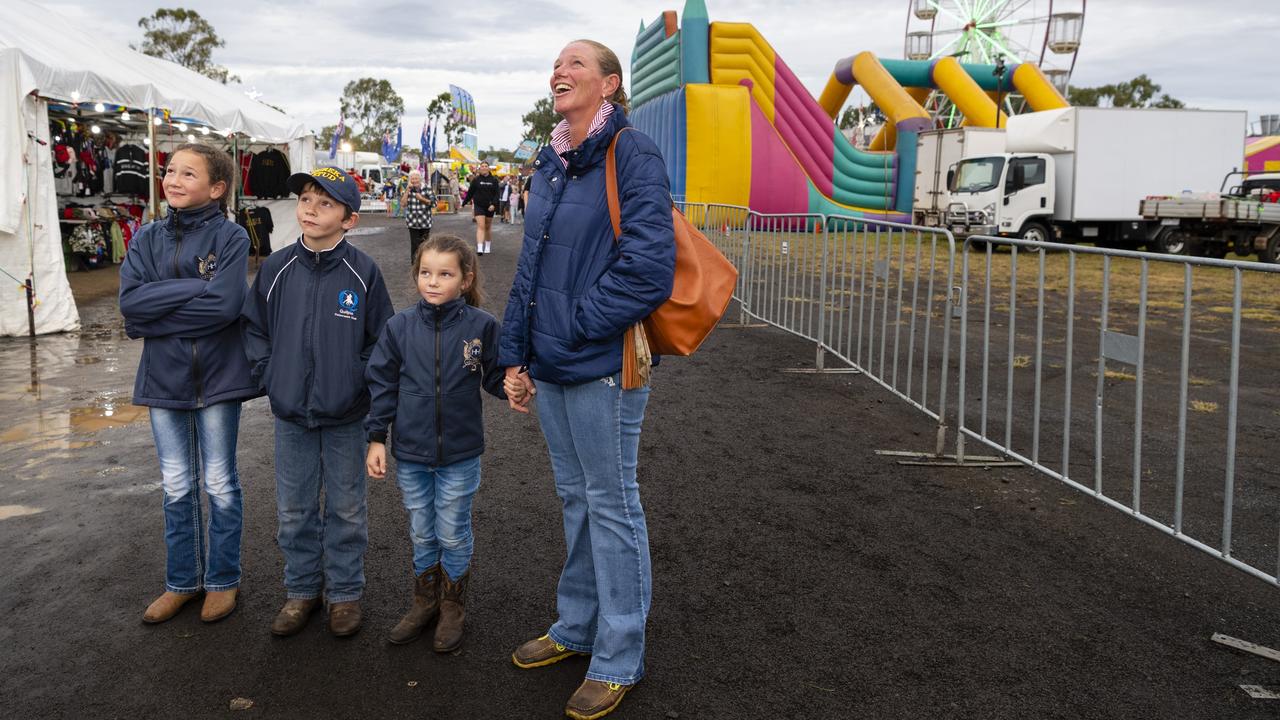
(269, 174)
(130, 171)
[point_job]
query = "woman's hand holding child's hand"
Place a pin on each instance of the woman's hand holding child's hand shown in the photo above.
(519, 389)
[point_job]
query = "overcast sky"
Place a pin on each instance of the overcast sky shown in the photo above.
(299, 55)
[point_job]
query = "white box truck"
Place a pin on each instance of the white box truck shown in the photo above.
(937, 152)
(1080, 173)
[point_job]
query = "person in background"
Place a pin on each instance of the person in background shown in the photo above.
(482, 194)
(576, 291)
(181, 287)
(418, 203)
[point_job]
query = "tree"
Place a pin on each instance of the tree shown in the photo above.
(851, 115)
(440, 107)
(1139, 92)
(541, 120)
(375, 107)
(187, 39)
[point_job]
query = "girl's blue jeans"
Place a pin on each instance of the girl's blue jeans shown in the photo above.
(438, 498)
(195, 446)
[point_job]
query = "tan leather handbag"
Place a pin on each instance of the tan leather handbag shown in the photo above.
(703, 286)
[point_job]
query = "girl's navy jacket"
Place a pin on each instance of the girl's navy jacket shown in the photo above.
(310, 323)
(425, 378)
(181, 287)
(577, 289)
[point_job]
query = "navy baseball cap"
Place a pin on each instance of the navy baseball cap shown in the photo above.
(339, 185)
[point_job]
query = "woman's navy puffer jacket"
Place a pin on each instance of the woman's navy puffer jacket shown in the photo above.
(576, 289)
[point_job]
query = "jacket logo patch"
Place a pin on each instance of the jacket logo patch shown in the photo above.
(207, 266)
(472, 350)
(348, 303)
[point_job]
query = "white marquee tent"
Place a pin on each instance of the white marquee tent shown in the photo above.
(45, 57)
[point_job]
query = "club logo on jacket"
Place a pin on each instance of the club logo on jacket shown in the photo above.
(472, 350)
(207, 266)
(348, 303)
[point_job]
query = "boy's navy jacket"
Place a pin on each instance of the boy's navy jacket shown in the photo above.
(311, 320)
(576, 289)
(181, 287)
(425, 377)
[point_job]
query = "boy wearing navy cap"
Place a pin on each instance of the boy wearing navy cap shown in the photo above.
(311, 321)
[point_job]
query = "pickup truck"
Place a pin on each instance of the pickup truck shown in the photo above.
(1244, 220)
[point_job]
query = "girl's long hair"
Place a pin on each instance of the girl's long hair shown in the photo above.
(467, 263)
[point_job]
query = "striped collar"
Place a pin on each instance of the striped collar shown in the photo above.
(560, 136)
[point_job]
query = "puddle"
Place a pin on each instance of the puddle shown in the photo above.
(13, 511)
(105, 414)
(59, 430)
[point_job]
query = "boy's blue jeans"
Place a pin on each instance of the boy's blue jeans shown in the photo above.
(593, 436)
(322, 553)
(195, 445)
(438, 499)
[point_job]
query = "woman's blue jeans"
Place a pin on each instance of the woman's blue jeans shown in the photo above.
(593, 436)
(196, 445)
(438, 499)
(322, 552)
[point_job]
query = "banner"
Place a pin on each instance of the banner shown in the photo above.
(462, 107)
(527, 149)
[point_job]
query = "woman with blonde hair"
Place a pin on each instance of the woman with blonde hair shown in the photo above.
(577, 289)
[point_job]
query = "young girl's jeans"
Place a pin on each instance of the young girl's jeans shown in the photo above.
(438, 498)
(195, 445)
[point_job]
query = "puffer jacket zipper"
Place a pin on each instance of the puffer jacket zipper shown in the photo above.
(197, 377)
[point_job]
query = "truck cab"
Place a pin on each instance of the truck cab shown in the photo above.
(1009, 194)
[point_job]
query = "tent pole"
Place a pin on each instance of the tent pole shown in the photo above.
(235, 176)
(152, 202)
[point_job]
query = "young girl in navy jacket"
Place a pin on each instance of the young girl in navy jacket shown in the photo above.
(425, 377)
(181, 287)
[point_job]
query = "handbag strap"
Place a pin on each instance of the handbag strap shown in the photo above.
(611, 184)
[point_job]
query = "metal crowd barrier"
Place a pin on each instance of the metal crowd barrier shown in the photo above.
(1172, 362)
(874, 294)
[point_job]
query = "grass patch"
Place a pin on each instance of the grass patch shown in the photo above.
(1204, 406)
(1022, 361)
(1119, 375)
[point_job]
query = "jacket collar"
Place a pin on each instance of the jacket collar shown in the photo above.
(322, 258)
(592, 151)
(193, 218)
(447, 313)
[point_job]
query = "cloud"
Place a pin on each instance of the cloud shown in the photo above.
(301, 54)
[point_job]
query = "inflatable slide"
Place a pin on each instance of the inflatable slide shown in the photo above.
(737, 127)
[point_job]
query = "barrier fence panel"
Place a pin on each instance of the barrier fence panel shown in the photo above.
(1181, 424)
(876, 295)
(888, 307)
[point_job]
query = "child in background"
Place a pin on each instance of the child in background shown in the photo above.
(425, 377)
(181, 287)
(311, 320)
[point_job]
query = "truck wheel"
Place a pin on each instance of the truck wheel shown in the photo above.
(1170, 241)
(1271, 253)
(1034, 232)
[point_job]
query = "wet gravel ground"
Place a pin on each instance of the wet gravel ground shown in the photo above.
(796, 573)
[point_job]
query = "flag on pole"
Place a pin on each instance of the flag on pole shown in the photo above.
(426, 142)
(337, 135)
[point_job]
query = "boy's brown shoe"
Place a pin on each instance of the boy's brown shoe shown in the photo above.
(218, 604)
(293, 616)
(344, 618)
(166, 606)
(594, 699)
(453, 610)
(426, 603)
(541, 651)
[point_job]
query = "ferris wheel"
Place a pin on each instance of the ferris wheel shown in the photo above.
(1043, 32)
